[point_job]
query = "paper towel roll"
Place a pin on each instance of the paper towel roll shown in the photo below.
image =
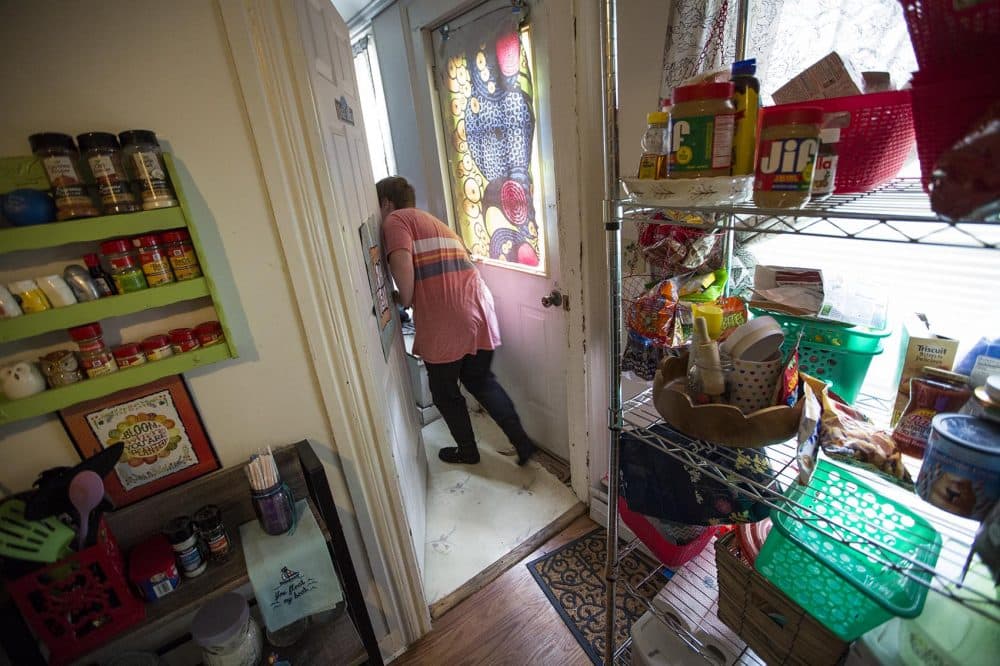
(718, 650)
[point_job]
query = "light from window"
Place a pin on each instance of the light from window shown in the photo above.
(376, 115)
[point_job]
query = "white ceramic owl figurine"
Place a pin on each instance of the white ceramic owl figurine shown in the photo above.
(21, 380)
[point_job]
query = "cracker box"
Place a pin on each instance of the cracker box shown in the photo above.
(920, 347)
(832, 76)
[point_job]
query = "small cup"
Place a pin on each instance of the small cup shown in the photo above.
(751, 384)
(275, 509)
(57, 291)
(712, 314)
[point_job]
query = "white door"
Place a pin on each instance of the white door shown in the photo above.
(494, 173)
(338, 110)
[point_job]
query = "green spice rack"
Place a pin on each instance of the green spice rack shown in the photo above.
(94, 229)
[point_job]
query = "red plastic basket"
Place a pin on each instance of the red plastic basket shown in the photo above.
(876, 142)
(76, 604)
(949, 36)
(670, 555)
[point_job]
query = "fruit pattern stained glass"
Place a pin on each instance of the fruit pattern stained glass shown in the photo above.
(490, 136)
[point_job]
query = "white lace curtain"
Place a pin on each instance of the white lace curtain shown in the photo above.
(786, 36)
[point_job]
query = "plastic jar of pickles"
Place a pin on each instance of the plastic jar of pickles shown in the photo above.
(60, 160)
(95, 357)
(154, 261)
(102, 155)
(180, 251)
(124, 264)
(144, 161)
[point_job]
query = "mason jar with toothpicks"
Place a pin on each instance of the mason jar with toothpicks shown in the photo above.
(272, 498)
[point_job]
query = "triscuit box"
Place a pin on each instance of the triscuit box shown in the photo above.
(832, 76)
(920, 347)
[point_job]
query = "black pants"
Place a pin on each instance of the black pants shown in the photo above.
(474, 372)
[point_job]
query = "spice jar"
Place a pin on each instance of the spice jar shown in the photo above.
(188, 548)
(95, 357)
(209, 521)
(144, 162)
(180, 251)
(30, 295)
(157, 347)
(128, 354)
(152, 569)
(209, 333)
(102, 155)
(61, 163)
(935, 391)
(702, 120)
(153, 259)
(183, 340)
(789, 140)
(124, 263)
(228, 636)
(825, 172)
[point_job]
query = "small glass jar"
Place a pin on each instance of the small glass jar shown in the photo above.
(180, 251)
(789, 141)
(60, 160)
(934, 392)
(102, 155)
(95, 357)
(128, 354)
(157, 347)
(209, 521)
(226, 633)
(183, 340)
(153, 259)
(30, 295)
(125, 269)
(144, 162)
(188, 547)
(209, 333)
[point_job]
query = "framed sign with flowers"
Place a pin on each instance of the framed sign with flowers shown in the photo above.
(164, 440)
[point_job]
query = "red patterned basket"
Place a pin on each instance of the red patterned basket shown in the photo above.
(950, 36)
(76, 604)
(877, 141)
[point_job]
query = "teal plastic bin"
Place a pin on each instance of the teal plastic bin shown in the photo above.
(848, 583)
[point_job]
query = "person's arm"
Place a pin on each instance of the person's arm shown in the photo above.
(401, 266)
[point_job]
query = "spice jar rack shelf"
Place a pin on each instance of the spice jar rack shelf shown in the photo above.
(56, 319)
(59, 398)
(41, 236)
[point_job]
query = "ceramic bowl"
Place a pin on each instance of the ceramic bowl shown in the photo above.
(690, 191)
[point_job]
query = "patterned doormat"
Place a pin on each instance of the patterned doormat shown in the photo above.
(572, 577)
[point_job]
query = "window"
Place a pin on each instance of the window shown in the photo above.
(373, 107)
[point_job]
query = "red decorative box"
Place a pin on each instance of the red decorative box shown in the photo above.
(78, 603)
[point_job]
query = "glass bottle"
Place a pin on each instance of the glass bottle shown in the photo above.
(154, 261)
(144, 162)
(61, 162)
(95, 357)
(105, 285)
(102, 155)
(655, 146)
(180, 251)
(124, 263)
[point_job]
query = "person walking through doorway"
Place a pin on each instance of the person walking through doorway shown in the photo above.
(454, 319)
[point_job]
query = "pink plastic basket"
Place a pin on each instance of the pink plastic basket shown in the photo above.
(949, 36)
(878, 139)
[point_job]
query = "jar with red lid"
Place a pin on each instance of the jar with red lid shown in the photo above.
(180, 251)
(701, 136)
(128, 354)
(157, 347)
(935, 391)
(124, 264)
(209, 333)
(183, 340)
(789, 141)
(95, 357)
(154, 261)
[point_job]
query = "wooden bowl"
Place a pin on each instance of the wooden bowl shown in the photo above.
(719, 424)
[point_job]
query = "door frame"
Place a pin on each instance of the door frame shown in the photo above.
(270, 63)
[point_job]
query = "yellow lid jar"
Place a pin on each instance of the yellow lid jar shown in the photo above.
(701, 130)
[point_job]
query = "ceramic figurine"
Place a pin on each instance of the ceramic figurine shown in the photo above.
(21, 380)
(60, 368)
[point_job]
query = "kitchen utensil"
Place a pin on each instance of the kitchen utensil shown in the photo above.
(50, 499)
(39, 541)
(85, 492)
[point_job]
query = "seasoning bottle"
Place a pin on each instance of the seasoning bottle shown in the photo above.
(157, 347)
(209, 333)
(105, 285)
(655, 146)
(746, 99)
(95, 357)
(935, 391)
(102, 155)
(128, 354)
(153, 259)
(825, 171)
(701, 130)
(181, 253)
(209, 521)
(144, 162)
(61, 163)
(125, 269)
(789, 141)
(183, 340)
(188, 548)
(30, 295)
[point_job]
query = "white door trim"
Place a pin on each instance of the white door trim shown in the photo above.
(271, 66)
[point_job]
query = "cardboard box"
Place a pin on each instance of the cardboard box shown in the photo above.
(831, 76)
(920, 347)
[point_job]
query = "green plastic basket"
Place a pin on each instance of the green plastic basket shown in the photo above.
(837, 354)
(849, 583)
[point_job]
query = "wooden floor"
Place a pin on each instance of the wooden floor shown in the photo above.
(510, 621)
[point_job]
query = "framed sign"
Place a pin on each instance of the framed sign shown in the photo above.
(378, 282)
(164, 440)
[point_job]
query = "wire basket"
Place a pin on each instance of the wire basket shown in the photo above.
(949, 36)
(876, 142)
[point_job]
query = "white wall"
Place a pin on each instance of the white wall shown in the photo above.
(73, 67)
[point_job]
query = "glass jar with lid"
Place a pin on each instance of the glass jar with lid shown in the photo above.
(154, 261)
(95, 357)
(789, 141)
(144, 161)
(60, 160)
(655, 146)
(701, 130)
(102, 155)
(180, 251)
(226, 633)
(124, 263)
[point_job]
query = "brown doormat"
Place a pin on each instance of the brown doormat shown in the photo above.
(572, 577)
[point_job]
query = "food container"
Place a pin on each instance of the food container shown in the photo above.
(125, 269)
(209, 333)
(128, 354)
(702, 119)
(31, 296)
(180, 251)
(144, 162)
(157, 347)
(152, 569)
(102, 154)
(789, 142)
(61, 162)
(183, 340)
(154, 261)
(961, 469)
(95, 357)
(228, 636)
